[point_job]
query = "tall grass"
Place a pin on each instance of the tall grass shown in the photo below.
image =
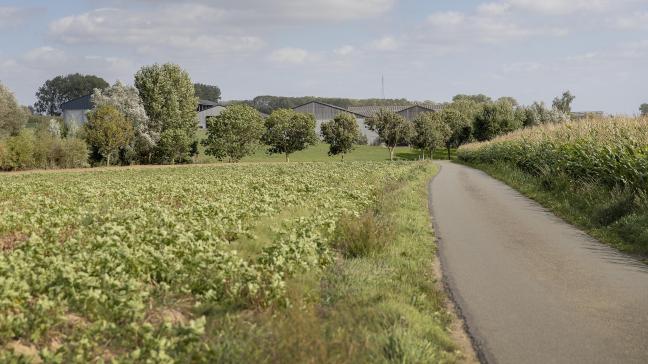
(593, 172)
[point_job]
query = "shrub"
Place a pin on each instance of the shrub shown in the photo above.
(20, 150)
(73, 153)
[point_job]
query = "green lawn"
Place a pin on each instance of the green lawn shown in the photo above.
(319, 153)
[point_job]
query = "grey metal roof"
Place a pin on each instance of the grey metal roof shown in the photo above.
(331, 106)
(80, 103)
(369, 111)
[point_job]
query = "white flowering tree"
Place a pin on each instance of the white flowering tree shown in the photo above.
(127, 101)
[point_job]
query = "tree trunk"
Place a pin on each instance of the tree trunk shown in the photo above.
(287, 159)
(108, 160)
(391, 154)
(342, 157)
(449, 153)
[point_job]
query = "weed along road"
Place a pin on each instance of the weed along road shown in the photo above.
(532, 288)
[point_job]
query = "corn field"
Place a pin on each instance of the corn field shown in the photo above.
(609, 152)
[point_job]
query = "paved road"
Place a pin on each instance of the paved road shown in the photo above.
(532, 288)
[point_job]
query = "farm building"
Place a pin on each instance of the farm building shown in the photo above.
(76, 110)
(324, 112)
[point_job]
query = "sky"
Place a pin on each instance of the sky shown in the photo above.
(532, 50)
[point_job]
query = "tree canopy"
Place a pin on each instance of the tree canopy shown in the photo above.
(495, 119)
(563, 103)
(341, 133)
(108, 131)
(432, 131)
(392, 129)
(644, 109)
(12, 116)
(61, 89)
(234, 133)
(207, 92)
(288, 131)
(479, 98)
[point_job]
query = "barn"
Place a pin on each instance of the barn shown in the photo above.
(325, 112)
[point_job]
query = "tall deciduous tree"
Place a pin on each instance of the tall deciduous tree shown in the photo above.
(496, 119)
(432, 131)
(108, 131)
(234, 133)
(12, 116)
(170, 102)
(392, 129)
(207, 92)
(644, 109)
(127, 101)
(61, 89)
(288, 131)
(563, 103)
(341, 133)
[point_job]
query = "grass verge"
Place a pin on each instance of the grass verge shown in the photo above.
(615, 217)
(380, 302)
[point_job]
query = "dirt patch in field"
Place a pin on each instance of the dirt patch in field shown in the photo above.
(12, 240)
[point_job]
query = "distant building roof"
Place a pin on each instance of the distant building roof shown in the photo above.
(80, 103)
(207, 103)
(369, 111)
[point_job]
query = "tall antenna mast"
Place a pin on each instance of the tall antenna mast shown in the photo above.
(382, 86)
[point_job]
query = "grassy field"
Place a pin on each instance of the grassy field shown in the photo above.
(308, 262)
(593, 173)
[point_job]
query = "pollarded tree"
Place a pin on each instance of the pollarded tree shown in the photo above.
(341, 133)
(108, 131)
(432, 132)
(12, 116)
(169, 99)
(234, 133)
(61, 89)
(127, 101)
(392, 129)
(288, 131)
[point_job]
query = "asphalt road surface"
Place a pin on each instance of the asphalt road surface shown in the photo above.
(532, 288)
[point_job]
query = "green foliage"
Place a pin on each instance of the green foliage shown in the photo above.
(288, 131)
(509, 99)
(20, 150)
(563, 103)
(341, 133)
(495, 119)
(360, 236)
(207, 92)
(108, 131)
(644, 109)
(61, 89)
(234, 133)
(117, 264)
(432, 131)
(126, 100)
(479, 98)
(538, 114)
(392, 129)
(12, 116)
(170, 102)
(175, 146)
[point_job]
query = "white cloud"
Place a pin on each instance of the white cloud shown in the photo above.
(344, 50)
(176, 26)
(289, 56)
(493, 9)
(561, 7)
(388, 43)
(635, 21)
(11, 16)
(446, 18)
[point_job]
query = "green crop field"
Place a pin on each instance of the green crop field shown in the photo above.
(592, 172)
(174, 264)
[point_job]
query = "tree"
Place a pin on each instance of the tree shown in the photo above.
(537, 114)
(12, 116)
(392, 129)
(175, 145)
(341, 133)
(127, 101)
(207, 92)
(509, 99)
(563, 103)
(288, 131)
(234, 133)
(61, 89)
(108, 131)
(169, 99)
(460, 124)
(479, 98)
(644, 109)
(496, 119)
(432, 131)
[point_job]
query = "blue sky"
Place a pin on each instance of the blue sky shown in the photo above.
(427, 50)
